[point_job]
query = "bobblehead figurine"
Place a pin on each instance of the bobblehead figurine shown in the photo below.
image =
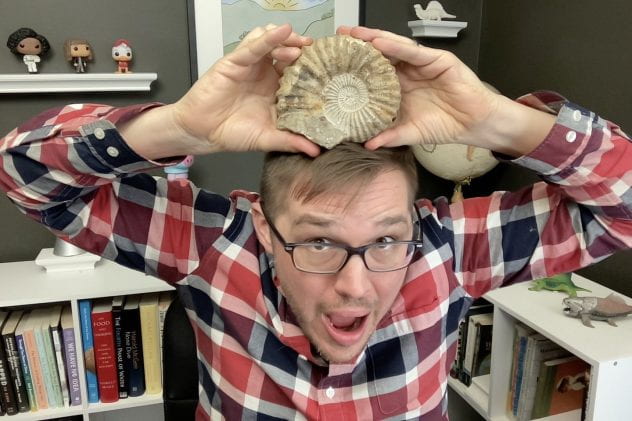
(122, 54)
(30, 45)
(79, 52)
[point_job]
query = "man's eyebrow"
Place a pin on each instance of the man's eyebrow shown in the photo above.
(324, 222)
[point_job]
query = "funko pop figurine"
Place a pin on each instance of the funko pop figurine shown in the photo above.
(122, 54)
(30, 45)
(79, 52)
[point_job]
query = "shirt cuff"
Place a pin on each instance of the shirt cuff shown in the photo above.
(109, 148)
(568, 140)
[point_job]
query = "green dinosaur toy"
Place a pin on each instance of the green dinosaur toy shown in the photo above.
(561, 282)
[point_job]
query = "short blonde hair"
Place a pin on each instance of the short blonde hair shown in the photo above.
(348, 166)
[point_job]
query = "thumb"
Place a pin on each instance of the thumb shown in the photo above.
(285, 141)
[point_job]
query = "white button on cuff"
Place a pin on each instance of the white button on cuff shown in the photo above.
(99, 133)
(112, 151)
(577, 115)
(330, 392)
(571, 136)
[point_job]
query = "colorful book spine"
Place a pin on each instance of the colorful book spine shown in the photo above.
(13, 360)
(51, 360)
(43, 358)
(85, 319)
(150, 331)
(34, 363)
(7, 396)
(133, 347)
(61, 365)
(26, 371)
(70, 356)
(117, 319)
(104, 351)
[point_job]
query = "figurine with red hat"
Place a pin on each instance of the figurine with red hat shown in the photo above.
(122, 54)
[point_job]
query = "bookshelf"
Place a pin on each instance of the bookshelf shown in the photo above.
(26, 283)
(607, 349)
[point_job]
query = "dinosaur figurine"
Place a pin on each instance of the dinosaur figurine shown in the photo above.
(595, 308)
(434, 11)
(561, 282)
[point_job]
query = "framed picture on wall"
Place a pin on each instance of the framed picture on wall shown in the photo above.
(217, 26)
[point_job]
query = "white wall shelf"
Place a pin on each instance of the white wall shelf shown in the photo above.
(26, 284)
(75, 82)
(607, 349)
(436, 28)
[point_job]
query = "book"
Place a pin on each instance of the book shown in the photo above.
(24, 360)
(13, 360)
(475, 321)
(564, 381)
(479, 306)
(539, 349)
(521, 333)
(104, 351)
(70, 356)
(7, 396)
(117, 320)
(45, 352)
(164, 301)
(51, 316)
(133, 346)
(85, 319)
(54, 329)
(149, 328)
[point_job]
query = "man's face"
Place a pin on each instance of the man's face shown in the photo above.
(339, 312)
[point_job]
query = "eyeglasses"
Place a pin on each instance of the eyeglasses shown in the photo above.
(329, 258)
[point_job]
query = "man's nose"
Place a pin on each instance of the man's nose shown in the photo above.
(352, 281)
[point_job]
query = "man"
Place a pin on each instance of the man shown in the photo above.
(331, 296)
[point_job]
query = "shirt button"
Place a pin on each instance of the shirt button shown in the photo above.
(577, 115)
(330, 392)
(112, 151)
(99, 133)
(571, 136)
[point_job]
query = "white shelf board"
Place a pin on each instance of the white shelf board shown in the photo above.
(24, 283)
(45, 414)
(476, 397)
(543, 311)
(130, 402)
(75, 82)
(436, 28)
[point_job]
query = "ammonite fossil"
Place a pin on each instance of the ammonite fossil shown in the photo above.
(340, 89)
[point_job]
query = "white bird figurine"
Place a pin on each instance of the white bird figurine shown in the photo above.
(434, 11)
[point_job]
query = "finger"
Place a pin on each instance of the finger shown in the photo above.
(253, 51)
(285, 54)
(283, 140)
(414, 54)
(394, 136)
(369, 34)
(343, 30)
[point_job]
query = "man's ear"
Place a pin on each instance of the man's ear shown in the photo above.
(261, 227)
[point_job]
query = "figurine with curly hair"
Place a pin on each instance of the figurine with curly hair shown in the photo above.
(79, 52)
(30, 45)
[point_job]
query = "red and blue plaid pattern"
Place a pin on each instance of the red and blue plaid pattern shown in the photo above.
(70, 170)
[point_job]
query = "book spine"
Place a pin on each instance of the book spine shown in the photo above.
(117, 318)
(36, 369)
(26, 371)
(133, 353)
(151, 348)
(52, 364)
(46, 370)
(61, 367)
(7, 396)
(15, 371)
(85, 310)
(519, 371)
(72, 369)
(105, 356)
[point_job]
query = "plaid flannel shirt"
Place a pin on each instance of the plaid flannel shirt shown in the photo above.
(70, 170)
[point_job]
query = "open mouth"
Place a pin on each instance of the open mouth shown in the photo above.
(345, 328)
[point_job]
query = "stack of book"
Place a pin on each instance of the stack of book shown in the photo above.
(120, 340)
(545, 378)
(474, 343)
